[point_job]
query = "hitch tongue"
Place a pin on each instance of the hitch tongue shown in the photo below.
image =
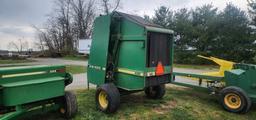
(224, 66)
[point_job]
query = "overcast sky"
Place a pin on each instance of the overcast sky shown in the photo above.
(17, 16)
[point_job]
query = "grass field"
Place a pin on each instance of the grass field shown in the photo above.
(179, 103)
(76, 69)
(15, 61)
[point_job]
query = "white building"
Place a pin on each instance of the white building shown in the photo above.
(84, 46)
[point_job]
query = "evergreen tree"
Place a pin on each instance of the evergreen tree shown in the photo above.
(234, 39)
(162, 16)
(205, 30)
(204, 22)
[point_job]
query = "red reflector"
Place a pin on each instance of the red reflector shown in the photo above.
(61, 70)
(159, 69)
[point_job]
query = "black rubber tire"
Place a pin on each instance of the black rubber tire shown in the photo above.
(69, 105)
(245, 100)
(155, 92)
(113, 98)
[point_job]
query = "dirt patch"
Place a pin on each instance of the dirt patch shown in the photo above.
(176, 87)
(164, 108)
(133, 98)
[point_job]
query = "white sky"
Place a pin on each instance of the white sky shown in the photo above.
(17, 16)
(141, 7)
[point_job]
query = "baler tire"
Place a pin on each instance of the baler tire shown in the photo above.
(69, 104)
(249, 104)
(155, 92)
(244, 104)
(112, 98)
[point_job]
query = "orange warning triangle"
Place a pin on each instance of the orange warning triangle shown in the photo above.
(159, 69)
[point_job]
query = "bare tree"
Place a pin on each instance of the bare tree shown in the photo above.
(83, 13)
(110, 6)
(40, 45)
(42, 39)
(19, 45)
(70, 21)
(64, 22)
(58, 33)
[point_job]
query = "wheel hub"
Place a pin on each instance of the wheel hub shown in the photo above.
(232, 100)
(103, 101)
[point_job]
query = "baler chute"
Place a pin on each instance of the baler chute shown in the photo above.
(224, 66)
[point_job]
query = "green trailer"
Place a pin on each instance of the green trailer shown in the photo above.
(234, 84)
(129, 54)
(29, 90)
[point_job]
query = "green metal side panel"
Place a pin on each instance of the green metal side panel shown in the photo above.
(201, 76)
(243, 76)
(21, 85)
(29, 69)
(244, 80)
(30, 77)
(30, 89)
(21, 93)
(131, 55)
(134, 59)
(99, 50)
(132, 31)
(130, 82)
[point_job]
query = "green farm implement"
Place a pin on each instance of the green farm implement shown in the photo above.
(234, 84)
(129, 54)
(29, 90)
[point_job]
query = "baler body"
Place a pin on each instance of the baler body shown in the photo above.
(126, 51)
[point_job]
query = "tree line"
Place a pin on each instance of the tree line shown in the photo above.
(228, 34)
(204, 30)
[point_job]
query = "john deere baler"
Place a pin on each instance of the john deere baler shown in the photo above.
(128, 54)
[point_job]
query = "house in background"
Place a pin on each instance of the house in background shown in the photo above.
(5, 54)
(84, 46)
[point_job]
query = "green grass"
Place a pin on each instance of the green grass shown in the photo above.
(78, 58)
(178, 104)
(15, 61)
(210, 67)
(76, 69)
